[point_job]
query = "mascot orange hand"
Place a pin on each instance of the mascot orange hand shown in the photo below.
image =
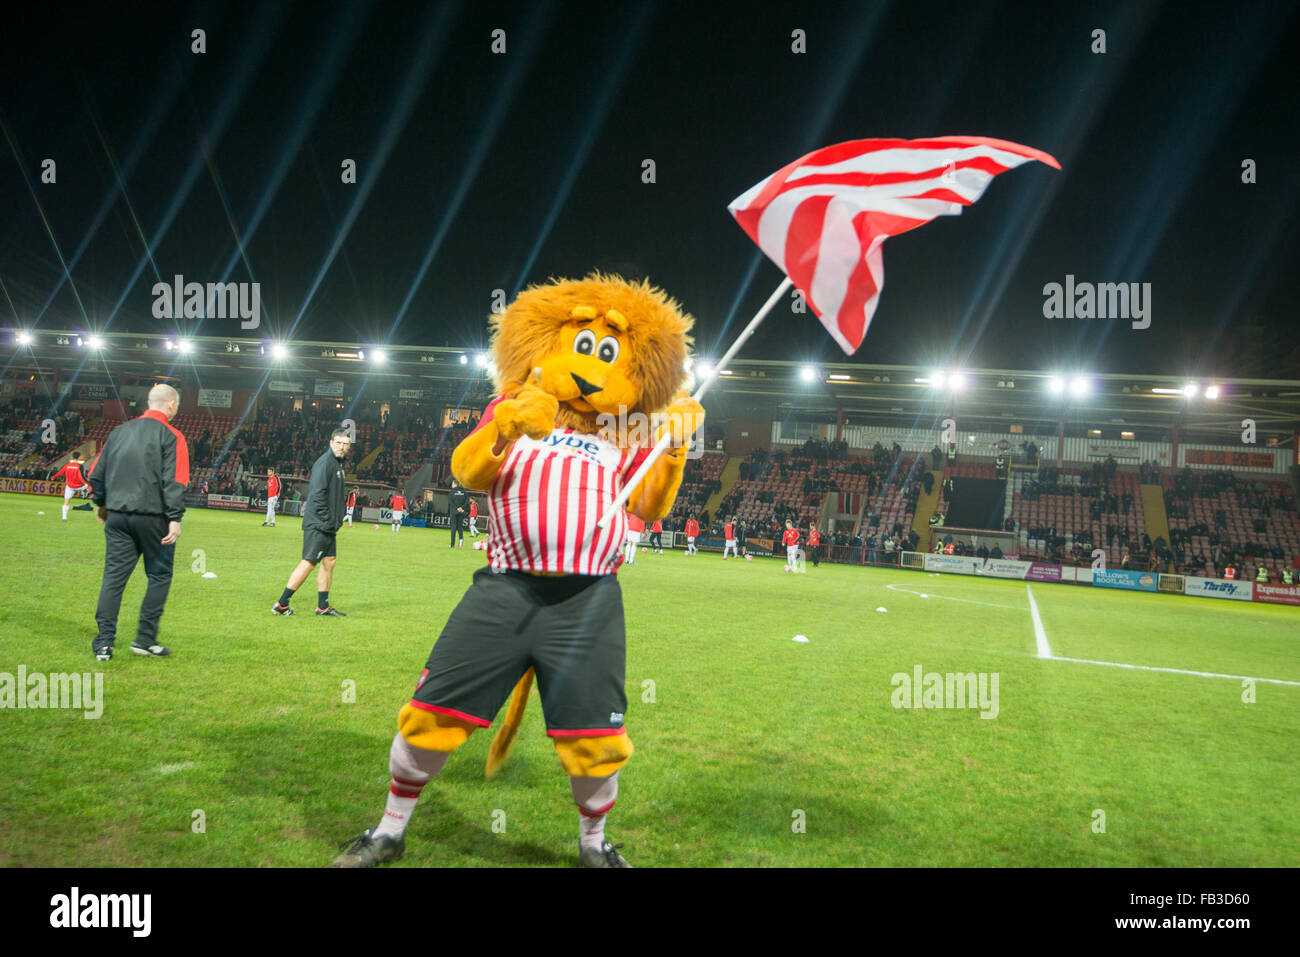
(684, 417)
(532, 412)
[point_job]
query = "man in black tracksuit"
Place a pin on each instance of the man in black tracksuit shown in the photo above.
(138, 481)
(323, 511)
(457, 511)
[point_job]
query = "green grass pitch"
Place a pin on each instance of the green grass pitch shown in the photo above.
(752, 750)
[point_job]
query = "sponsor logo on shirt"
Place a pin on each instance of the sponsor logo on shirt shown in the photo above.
(560, 440)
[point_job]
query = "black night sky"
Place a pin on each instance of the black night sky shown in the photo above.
(479, 171)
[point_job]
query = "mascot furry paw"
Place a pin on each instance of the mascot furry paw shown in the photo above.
(589, 374)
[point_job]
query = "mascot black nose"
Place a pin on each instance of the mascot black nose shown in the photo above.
(585, 387)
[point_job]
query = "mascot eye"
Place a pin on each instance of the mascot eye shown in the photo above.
(607, 351)
(584, 344)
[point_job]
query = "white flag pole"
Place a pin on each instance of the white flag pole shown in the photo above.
(699, 394)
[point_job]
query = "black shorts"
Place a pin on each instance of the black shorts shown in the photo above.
(317, 545)
(569, 628)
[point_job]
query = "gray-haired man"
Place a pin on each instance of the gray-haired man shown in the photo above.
(138, 481)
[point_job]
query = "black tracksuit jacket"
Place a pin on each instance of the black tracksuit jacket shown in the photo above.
(323, 508)
(142, 469)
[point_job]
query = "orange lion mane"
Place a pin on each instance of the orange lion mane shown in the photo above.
(657, 333)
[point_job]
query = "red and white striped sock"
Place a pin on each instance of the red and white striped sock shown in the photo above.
(412, 768)
(402, 797)
(594, 797)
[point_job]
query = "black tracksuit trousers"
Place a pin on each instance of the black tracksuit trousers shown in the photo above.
(129, 536)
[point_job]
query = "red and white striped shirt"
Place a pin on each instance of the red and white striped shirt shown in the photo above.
(548, 497)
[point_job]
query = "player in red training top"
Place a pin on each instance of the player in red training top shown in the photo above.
(74, 482)
(791, 541)
(352, 503)
(635, 526)
(398, 505)
(814, 543)
(692, 532)
(473, 519)
(729, 539)
(272, 497)
(657, 537)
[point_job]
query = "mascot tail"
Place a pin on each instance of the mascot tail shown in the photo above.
(500, 749)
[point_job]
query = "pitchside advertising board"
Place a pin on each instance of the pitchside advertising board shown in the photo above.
(1021, 571)
(31, 486)
(1278, 594)
(1120, 578)
(239, 502)
(1218, 588)
(993, 568)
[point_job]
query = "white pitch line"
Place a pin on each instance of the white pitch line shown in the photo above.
(969, 601)
(1045, 652)
(1176, 671)
(1040, 636)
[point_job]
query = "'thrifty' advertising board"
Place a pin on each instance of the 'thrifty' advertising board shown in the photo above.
(1217, 588)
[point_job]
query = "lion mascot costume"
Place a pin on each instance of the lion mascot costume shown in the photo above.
(574, 362)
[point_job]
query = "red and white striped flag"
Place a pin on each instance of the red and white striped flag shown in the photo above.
(824, 217)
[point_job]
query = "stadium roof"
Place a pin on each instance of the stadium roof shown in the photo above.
(990, 400)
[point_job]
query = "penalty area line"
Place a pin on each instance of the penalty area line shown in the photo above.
(1045, 653)
(1176, 671)
(968, 601)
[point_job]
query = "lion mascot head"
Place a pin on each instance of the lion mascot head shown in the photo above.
(605, 346)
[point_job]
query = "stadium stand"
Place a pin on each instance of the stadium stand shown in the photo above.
(1065, 514)
(865, 500)
(1217, 519)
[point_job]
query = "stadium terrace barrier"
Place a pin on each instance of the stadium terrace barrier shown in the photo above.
(1170, 584)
